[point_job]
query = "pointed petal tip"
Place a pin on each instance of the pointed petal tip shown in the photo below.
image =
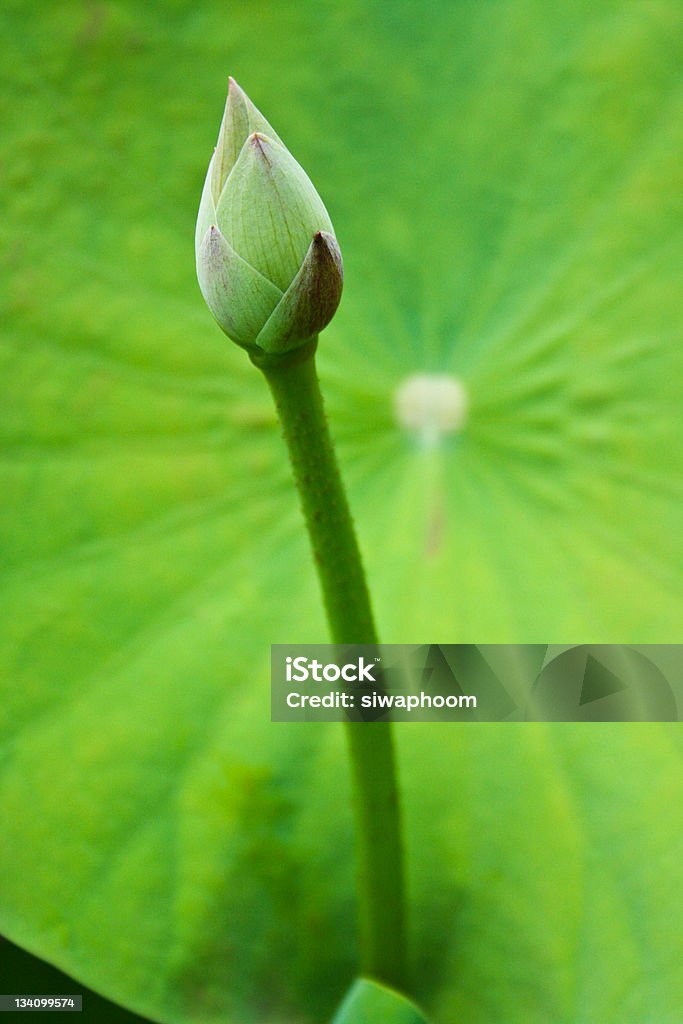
(260, 143)
(325, 245)
(213, 241)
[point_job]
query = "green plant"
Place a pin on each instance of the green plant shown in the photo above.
(258, 200)
(504, 178)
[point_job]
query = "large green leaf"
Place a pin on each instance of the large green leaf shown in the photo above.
(505, 181)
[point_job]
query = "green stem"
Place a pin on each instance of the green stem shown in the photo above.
(294, 384)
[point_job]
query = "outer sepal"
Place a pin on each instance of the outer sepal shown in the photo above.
(311, 300)
(238, 296)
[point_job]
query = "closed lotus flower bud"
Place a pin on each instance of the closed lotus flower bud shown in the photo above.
(268, 263)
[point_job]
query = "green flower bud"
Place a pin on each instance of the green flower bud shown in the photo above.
(268, 263)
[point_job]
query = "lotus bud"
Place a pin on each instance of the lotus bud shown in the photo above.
(268, 263)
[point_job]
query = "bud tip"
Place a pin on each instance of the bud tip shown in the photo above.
(235, 93)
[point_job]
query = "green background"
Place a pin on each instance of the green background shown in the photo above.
(505, 182)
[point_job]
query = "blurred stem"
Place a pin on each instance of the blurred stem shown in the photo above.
(294, 384)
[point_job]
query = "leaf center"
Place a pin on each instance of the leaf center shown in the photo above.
(430, 406)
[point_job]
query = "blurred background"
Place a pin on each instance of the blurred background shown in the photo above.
(505, 182)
